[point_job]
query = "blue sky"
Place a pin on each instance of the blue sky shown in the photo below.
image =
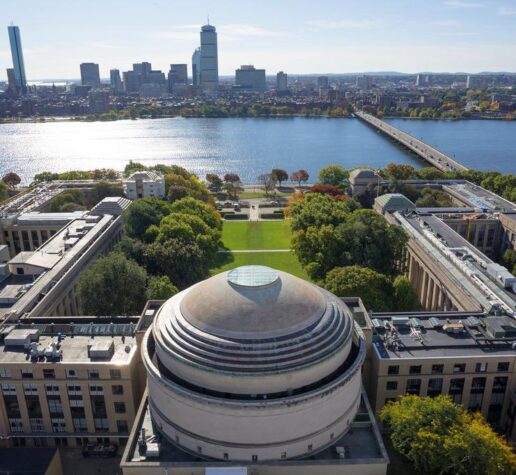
(297, 36)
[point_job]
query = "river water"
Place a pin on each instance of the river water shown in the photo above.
(247, 147)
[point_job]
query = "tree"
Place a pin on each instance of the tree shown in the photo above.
(184, 263)
(113, 285)
(60, 202)
(405, 296)
(200, 209)
(3, 191)
(214, 182)
(160, 288)
(509, 260)
(441, 437)
(268, 182)
(399, 171)
(279, 175)
(143, 213)
(45, 176)
(300, 176)
(373, 288)
(103, 189)
(231, 178)
(430, 173)
(330, 190)
(232, 189)
(11, 179)
(333, 175)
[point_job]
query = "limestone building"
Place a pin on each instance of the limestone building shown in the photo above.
(257, 369)
(144, 184)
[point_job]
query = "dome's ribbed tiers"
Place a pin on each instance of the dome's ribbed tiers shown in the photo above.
(253, 321)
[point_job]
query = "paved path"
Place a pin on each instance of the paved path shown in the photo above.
(237, 251)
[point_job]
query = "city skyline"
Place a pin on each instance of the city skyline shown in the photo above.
(407, 37)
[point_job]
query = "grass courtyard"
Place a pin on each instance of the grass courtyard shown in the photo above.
(262, 236)
(244, 235)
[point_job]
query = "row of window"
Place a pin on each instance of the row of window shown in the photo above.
(50, 389)
(49, 373)
(501, 367)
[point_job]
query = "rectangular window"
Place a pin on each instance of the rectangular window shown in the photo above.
(26, 373)
(115, 374)
(435, 387)
(117, 389)
(456, 388)
(392, 385)
(437, 368)
(500, 384)
(5, 373)
(475, 402)
(416, 369)
(394, 369)
(459, 368)
(413, 386)
(49, 374)
(71, 374)
(480, 367)
(122, 427)
(120, 407)
(503, 367)
(93, 374)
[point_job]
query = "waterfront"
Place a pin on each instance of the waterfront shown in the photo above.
(248, 147)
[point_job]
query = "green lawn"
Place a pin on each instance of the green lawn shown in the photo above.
(285, 261)
(247, 195)
(256, 235)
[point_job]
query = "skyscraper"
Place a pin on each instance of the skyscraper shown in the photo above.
(196, 67)
(17, 54)
(115, 81)
(209, 58)
(90, 75)
(250, 78)
(177, 78)
(281, 82)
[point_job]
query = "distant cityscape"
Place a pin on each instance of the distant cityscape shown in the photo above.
(424, 95)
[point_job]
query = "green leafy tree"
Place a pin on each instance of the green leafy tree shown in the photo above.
(214, 182)
(113, 285)
(143, 213)
(160, 288)
(430, 173)
(405, 296)
(3, 191)
(441, 437)
(200, 209)
(509, 260)
(373, 288)
(279, 175)
(44, 177)
(184, 263)
(399, 171)
(333, 175)
(62, 200)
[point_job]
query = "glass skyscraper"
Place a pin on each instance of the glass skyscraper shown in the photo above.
(209, 58)
(17, 54)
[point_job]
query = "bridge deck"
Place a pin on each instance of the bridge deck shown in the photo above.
(428, 153)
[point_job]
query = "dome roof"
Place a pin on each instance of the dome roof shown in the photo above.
(252, 320)
(252, 302)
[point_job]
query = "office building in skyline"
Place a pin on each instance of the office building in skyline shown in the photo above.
(281, 82)
(90, 75)
(196, 67)
(17, 55)
(249, 78)
(177, 78)
(115, 81)
(209, 58)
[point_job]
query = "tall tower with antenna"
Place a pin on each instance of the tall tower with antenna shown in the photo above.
(209, 73)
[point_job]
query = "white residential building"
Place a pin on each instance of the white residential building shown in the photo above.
(145, 184)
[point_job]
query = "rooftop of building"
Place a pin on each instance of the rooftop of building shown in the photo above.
(415, 335)
(85, 342)
(362, 444)
(475, 272)
(145, 174)
(479, 197)
(394, 202)
(38, 218)
(363, 173)
(27, 460)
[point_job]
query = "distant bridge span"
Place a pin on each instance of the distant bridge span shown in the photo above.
(428, 153)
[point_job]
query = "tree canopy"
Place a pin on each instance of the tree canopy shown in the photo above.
(375, 289)
(279, 175)
(113, 285)
(299, 176)
(160, 288)
(333, 175)
(405, 296)
(143, 213)
(440, 437)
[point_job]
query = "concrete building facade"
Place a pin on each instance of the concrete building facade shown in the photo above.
(144, 184)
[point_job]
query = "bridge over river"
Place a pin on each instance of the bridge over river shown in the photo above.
(428, 153)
